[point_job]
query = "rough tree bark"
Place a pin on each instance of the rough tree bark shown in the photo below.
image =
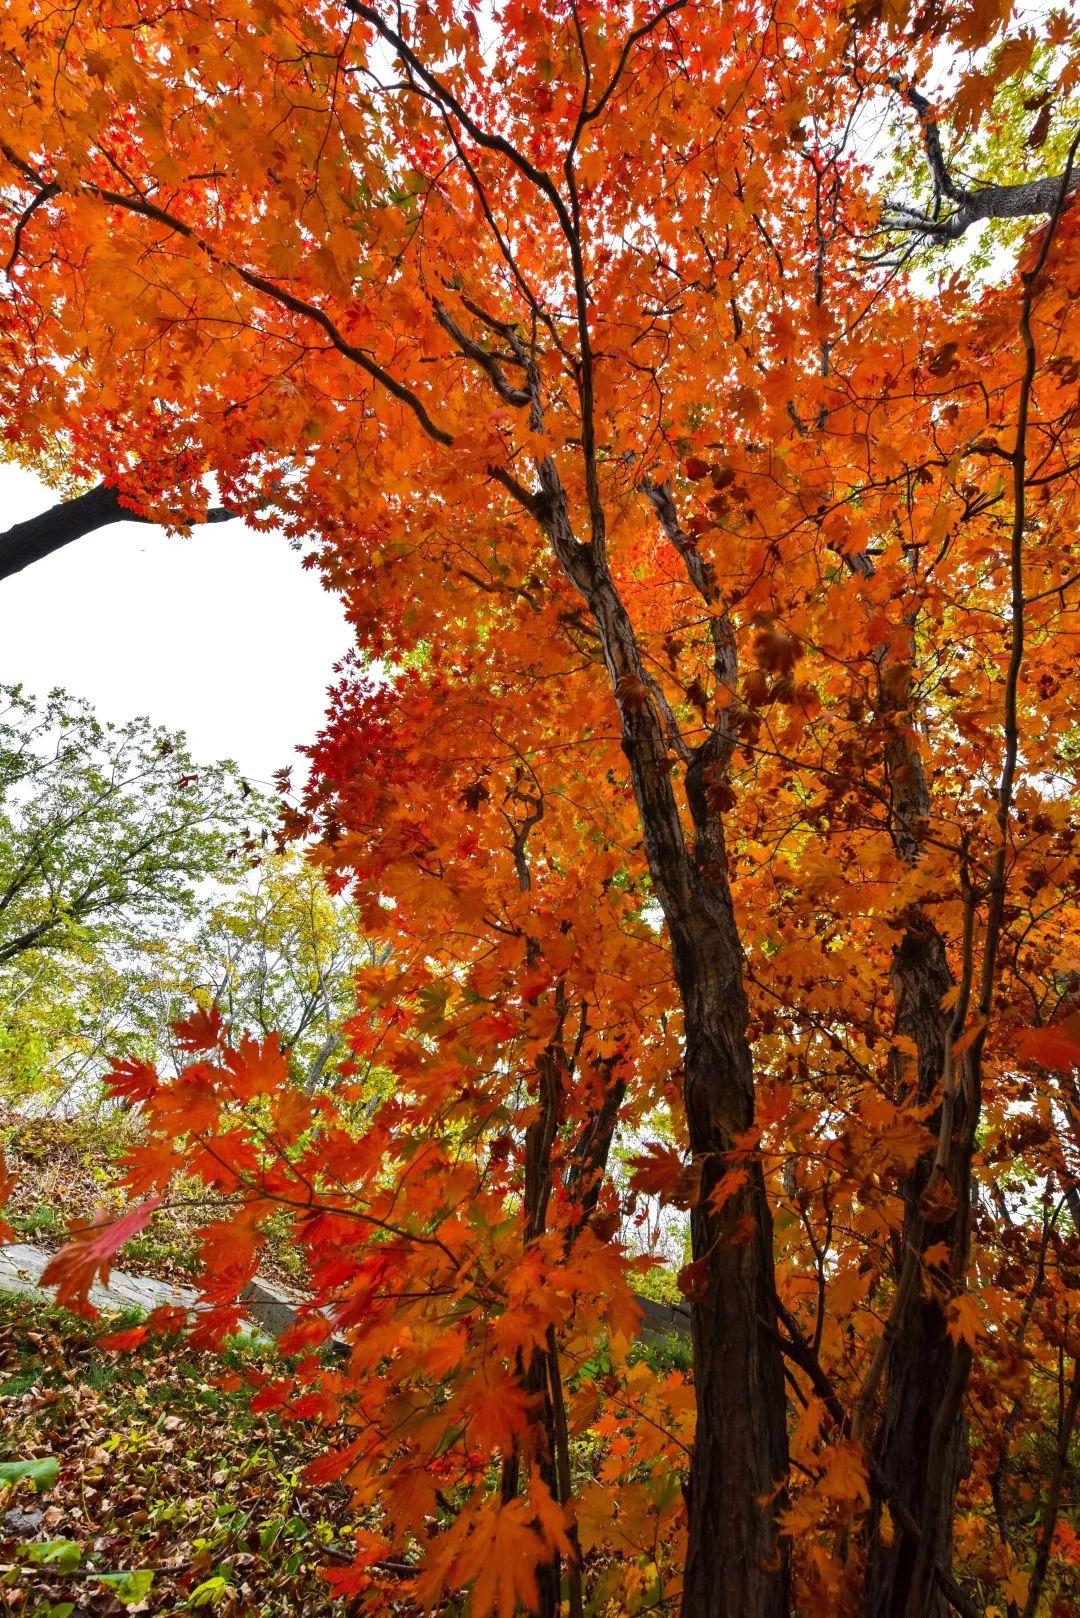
(737, 1566)
(921, 1354)
(921, 1357)
(734, 1562)
(923, 1423)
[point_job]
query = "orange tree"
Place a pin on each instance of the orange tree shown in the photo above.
(723, 773)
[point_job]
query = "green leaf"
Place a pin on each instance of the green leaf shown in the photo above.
(62, 1553)
(129, 1588)
(449, 1437)
(42, 1472)
(209, 1591)
(270, 1533)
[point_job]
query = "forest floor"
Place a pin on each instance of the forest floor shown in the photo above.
(65, 1168)
(141, 1481)
(151, 1486)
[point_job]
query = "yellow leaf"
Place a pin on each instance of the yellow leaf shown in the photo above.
(845, 1474)
(969, 1036)
(1016, 1586)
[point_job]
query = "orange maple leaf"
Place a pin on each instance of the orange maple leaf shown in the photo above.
(202, 1031)
(257, 1068)
(962, 1319)
(661, 1171)
(1057, 1046)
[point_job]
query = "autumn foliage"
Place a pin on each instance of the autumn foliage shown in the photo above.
(708, 758)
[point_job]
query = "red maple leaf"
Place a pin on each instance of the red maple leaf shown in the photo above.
(89, 1255)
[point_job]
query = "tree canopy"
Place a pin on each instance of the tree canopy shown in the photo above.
(103, 825)
(276, 954)
(728, 581)
(111, 841)
(269, 946)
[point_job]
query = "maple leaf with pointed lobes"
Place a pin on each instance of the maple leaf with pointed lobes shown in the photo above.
(729, 1185)
(202, 1031)
(962, 1319)
(293, 1114)
(661, 1171)
(257, 1068)
(89, 1255)
(502, 1552)
(780, 915)
(845, 1474)
(357, 1578)
(123, 1342)
(693, 1280)
(498, 1410)
(132, 1080)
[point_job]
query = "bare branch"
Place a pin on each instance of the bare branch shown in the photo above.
(27, 542)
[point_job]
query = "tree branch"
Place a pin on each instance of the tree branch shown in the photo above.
(29, 541)
(1024, 200)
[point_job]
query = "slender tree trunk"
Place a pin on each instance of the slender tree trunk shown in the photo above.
(921, 1360)
(736, 1564)
(913, 1445)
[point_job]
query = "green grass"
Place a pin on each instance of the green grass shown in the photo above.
(153, 1248)
(41, 1220)
(51, 1343)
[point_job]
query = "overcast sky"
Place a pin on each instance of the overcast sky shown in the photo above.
(223, 635)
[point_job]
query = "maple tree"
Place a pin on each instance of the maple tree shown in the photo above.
(724, 772)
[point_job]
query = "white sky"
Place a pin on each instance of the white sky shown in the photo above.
(223, 635)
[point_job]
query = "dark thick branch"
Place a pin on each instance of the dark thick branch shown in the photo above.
(39, 199)
(487, 362)
(721, 631)
(1028, 199)
(29, 541)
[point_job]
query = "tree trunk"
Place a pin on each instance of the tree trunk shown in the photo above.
(922, 1356)
(736, 1566)
(914, 1450)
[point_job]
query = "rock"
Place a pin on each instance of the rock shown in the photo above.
(271, 1309)
(23, 1524)
(659, 1320)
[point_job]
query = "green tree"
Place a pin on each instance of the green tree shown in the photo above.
(104, 826)
(111, 840)
(278, 954)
